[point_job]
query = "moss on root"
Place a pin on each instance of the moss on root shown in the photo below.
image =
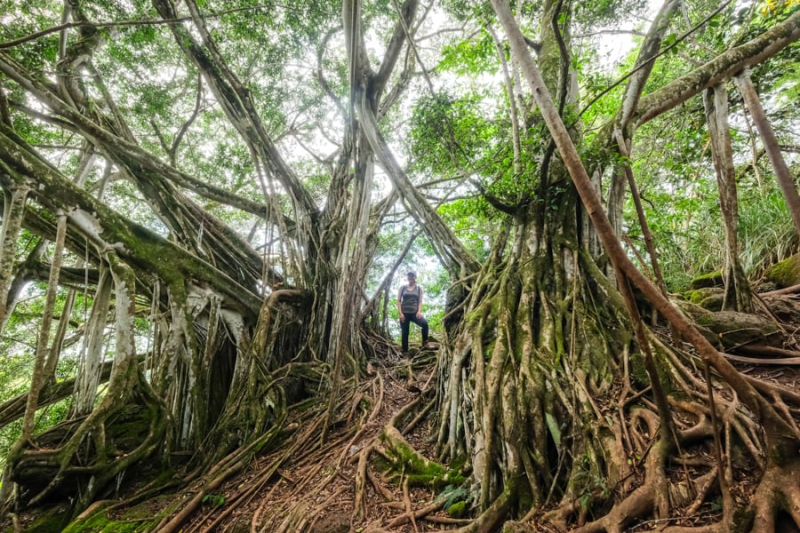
(418, 470)
(712, 279)
(785, 273)
(710, 298)
(138, 519)
(101, 523)
(457, 510)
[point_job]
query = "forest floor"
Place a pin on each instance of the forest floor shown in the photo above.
(317, 492)
(340, 487)
(341, 482)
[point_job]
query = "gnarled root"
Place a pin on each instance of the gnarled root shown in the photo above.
(779, 490)
(417, 469)
(137, 430)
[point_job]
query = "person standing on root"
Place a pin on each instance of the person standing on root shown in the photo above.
(409, 303)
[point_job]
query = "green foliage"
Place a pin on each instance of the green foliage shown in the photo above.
(214, 500)
(448, 132)
(471, 57)
(455, 495)
(606, 11)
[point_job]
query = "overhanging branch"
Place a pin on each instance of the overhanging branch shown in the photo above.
(721, 68)
(105, 228)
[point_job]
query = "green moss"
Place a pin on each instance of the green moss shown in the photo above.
(100, 523)
(713, 303)
(694, 296)
(712, 279)
(417, 469)
(138, 519)
(710, 298)
(436, 481)
(785, 273)
(53, 521)
(457, 510)
(705, 320)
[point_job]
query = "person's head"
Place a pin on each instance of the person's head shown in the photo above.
(412, 276)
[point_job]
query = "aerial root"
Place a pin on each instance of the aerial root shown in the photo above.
(107, 465)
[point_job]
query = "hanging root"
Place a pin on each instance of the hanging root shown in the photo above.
(113, 447)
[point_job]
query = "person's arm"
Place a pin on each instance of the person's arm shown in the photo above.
(419, 307)
(400, 303)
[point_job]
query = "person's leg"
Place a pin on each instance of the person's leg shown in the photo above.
(422, 323)
(404, 325)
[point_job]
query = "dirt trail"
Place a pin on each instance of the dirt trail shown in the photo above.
(316, 491)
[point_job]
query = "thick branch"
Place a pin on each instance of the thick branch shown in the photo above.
(644, 61)
(14, 408)
(105, 228)
(123, 151)
(378, 82)
(719, 69)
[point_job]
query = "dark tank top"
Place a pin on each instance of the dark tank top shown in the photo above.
(410, 301)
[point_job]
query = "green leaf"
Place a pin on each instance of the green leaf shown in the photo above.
(553, 427)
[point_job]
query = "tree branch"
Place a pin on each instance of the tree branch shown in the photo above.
(405, 16)
(235, 101)
(648, 63)
(105, 228)
(173, 150)
(719, 69)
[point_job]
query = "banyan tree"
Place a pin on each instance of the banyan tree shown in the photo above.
(218, 267)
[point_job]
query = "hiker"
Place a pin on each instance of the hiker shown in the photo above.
(409, 303)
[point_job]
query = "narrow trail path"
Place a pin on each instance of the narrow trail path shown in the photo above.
(338, 486)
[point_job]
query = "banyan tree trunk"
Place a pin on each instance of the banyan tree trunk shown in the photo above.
(539, 382)
(544, 331)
